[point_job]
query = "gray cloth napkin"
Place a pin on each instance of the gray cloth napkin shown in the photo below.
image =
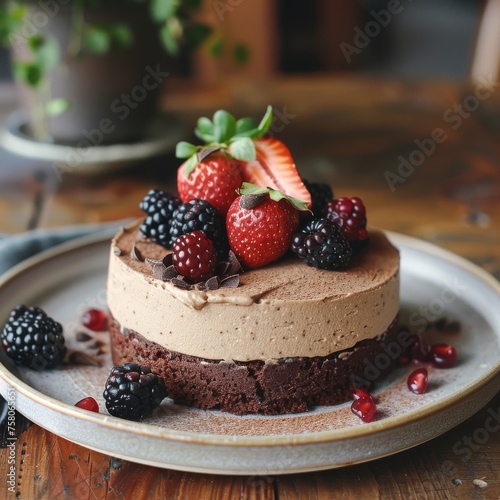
(16, 248)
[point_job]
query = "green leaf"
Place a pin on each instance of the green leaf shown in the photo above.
(161, 10)
(196, 34)
(190, 165)
(168, 41)
(193, 4)
(205, 130)
(241, 54)
(224, 126)
(274, 194)
(216, 48)
(48, 53)
(97, 40)
(185, 149)
(29, 73)
(121, 36)
(57, 107)
(266, 121)
(243, 149)
(245, 125)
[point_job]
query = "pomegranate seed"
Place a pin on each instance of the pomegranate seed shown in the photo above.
(364, 409)
(95, 320)
(443, 355)
(361, 394)
(417, 381)
(419, 350)
(89, 404)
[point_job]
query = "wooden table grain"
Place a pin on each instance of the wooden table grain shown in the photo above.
(426, 161)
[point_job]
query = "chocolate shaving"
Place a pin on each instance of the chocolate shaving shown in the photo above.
(160, 272)
(117, 251)
(171, 272)
(249, 201)
(153, 262)
(235, 266)
(222, 268)
(167, 260)
(136, 254)
(82, 337)
(212, 283)
(231, 281)
(179, 283)
(205, 152)
(82, 358)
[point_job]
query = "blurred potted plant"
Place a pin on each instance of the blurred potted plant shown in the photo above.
(93, 68)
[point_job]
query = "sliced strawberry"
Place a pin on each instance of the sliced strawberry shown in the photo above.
(274, 167)
(214, 179)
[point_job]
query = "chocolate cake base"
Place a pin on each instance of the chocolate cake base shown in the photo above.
(289, 385)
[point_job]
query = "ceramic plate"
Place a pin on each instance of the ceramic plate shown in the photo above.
(70, 278)
(160, 137)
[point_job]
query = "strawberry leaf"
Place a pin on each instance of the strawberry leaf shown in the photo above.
(265, 123)
(190, 165)
(243, 149)
(185, 149)
(245, 125)
(248, 188)
(224, 126)
(205, 129)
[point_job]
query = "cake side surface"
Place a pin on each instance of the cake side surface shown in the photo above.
(283, 310)
(289, 385)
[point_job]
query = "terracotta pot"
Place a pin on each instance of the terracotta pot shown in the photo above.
(113, 96)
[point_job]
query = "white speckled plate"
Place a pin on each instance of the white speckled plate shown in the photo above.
(68, 279)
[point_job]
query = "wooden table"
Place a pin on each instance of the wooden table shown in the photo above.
(352, 133)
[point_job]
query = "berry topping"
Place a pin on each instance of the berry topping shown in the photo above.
(200, 215)
(361, 394)
(443, 355)
(194, 256)
(215, 179)
(159, 207)
(89, 404)
(265, 162)
(321, 195)
(260, 225)
(349, 214)
(132, 391)
(322, 245)
(33, 339)
(95, 320)
(364, 408)
(417, 381)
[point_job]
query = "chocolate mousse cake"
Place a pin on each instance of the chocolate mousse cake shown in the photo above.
(253, 290)
(289, 337)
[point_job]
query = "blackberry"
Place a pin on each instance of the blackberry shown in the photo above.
(194, 256)
(132, 391)
(200, 215)
(321, 195)
(322, 245)
(33, 339)
(158, 207)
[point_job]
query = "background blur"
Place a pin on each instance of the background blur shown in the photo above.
(429, 38)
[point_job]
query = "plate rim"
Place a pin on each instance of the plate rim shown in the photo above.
(167, 434)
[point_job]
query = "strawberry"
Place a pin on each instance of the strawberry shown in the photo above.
(215, 178)
(260, 224)
(274, 167)
(266, 162)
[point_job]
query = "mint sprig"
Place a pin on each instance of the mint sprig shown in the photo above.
(233, 137)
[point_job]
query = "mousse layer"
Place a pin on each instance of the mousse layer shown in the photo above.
(286, 309)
